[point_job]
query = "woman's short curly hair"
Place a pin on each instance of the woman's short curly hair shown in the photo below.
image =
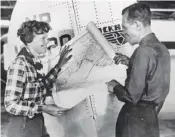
(29, 28)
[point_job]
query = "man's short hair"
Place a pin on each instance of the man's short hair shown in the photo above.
(29, 28)
(138, 11)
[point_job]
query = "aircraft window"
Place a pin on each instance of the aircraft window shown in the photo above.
(162, 10)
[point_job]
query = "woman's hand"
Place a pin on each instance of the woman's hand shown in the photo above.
(54, 110)
(63, 56)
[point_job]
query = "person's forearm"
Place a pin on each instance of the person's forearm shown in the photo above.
(18, 108)
(51, 77)
(122, 93)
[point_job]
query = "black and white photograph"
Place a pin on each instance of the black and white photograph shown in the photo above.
(87, 68)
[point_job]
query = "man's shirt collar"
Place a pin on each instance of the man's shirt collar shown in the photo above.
(149, 38)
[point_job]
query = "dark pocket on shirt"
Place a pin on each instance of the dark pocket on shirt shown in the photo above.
(137, 126)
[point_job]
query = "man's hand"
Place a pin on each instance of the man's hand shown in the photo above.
(120, 58)
(63, 56)
(111, 84)
(54, 110)
(159, 107)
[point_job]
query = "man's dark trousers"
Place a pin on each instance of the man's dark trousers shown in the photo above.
(137, 121)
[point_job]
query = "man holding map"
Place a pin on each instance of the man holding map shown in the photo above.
(148, 76)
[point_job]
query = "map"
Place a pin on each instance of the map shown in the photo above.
(81, 82)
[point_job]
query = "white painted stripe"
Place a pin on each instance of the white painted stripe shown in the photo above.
(166, 10)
